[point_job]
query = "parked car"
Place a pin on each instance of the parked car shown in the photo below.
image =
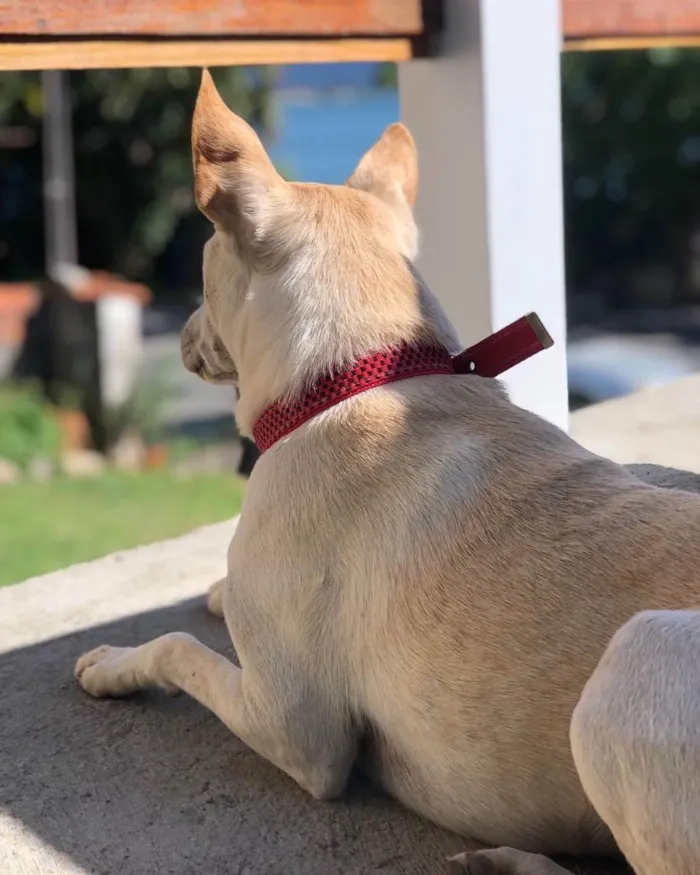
(607, 366)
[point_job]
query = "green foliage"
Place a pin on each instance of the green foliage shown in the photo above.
(631, 167)
(27, 429)
(136, 213)
(387, 76)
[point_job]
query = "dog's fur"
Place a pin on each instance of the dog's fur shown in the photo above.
(425, 577)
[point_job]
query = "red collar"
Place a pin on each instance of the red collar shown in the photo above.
(489, 358)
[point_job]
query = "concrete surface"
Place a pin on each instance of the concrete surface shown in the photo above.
(155, 785)
(659, 425)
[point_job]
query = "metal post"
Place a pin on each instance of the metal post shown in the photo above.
(60, 227)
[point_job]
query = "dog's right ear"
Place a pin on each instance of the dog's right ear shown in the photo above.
(389, 170)
(235, 182)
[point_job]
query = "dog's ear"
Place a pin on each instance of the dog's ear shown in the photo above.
(234, 180)
(389, 170)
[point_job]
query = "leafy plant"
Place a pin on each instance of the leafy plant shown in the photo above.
(28, 429)
(632, 170)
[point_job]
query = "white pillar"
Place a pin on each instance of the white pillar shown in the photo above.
(486, 117)
(120, 345)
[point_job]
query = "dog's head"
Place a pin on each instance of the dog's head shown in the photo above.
(298, 278)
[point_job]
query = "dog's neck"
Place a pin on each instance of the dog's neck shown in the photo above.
(490, 357)
(369, 372)
(282, 351)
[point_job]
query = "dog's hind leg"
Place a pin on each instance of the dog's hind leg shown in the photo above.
(275, 708)
(215, 598)
(635, 737)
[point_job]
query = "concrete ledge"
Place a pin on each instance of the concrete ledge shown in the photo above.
(118, 586)
(657, 425)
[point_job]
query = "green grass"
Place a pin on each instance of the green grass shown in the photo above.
(46, 526)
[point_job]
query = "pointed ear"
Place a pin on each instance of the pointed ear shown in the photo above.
(390, 169)
(234, 180)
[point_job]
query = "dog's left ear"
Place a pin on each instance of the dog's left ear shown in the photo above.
(236, 184)
(389, 170)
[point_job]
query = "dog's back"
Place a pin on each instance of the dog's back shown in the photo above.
(476, 562)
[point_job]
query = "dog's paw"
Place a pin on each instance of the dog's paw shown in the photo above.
(105, 672)
(215, 598)
(502, 861)
(471, 864)
(112, 672)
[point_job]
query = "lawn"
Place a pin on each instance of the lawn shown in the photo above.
(46, 526)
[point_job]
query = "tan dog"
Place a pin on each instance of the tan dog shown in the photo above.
(426, 576)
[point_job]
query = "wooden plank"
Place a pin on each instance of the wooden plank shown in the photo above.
(251, 18)
(116, 54)
(589, 19)
(628, 43)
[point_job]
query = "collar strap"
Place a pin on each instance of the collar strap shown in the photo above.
(489, 358)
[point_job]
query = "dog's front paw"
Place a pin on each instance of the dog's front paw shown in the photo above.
(105, 672)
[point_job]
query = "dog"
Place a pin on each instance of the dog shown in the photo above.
(427, 580)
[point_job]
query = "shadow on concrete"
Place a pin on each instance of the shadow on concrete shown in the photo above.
(157, 785)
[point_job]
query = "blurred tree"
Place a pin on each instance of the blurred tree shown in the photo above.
(136, 214)
(632, 174)
(387, 75)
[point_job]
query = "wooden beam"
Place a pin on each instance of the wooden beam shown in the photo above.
(630, 19)
(249, 18)
(631, 43)
(117, 54)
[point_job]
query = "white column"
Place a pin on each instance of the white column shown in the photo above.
(486, 117)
